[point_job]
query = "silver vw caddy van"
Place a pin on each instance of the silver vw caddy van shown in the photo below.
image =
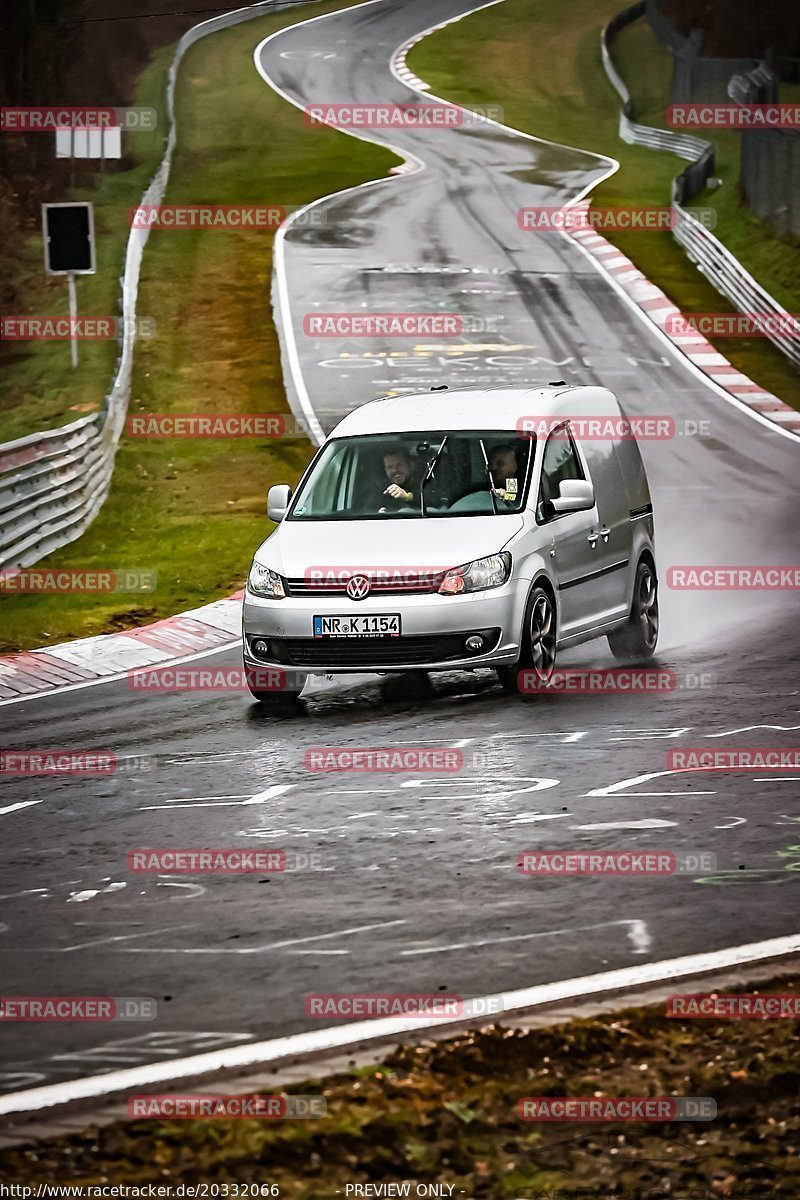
(457, 529)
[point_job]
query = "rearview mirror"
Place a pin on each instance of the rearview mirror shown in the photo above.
(574, 495)
(278, 498)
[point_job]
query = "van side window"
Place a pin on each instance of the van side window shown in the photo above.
(560, 461)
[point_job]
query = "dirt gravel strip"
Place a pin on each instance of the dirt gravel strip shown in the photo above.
(441, 1112)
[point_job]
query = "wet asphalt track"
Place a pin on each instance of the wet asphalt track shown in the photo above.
(419, 889)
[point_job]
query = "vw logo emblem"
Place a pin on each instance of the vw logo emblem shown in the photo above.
(358, 587)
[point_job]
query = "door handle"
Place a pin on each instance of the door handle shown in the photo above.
(592, 539)
(605, 533)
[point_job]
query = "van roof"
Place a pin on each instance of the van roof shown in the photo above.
(475, 408)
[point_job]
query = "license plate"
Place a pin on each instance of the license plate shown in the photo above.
(364, 625)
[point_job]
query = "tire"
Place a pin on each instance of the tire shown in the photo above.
(407, 686)
(638, 638)
(273, 698)
(539, 643)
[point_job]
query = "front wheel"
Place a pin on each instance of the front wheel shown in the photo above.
(538, 655)
(407, 685)
(278, 696)
(638, 638)
(275, 699)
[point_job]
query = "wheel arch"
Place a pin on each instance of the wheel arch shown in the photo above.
(647, 556)
(544, 581)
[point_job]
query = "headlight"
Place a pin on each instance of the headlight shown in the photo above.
(263, 582)
(477, 576)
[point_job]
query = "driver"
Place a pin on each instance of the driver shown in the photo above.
(403, 487)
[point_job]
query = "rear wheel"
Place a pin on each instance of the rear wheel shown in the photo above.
(638, 638)
(538, 647)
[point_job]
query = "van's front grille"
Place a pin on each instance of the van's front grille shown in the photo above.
(382, 583)
(372, 652)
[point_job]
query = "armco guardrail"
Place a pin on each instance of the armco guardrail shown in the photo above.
(682, 144)
(730, 278)
(53, 484)
(716, 262)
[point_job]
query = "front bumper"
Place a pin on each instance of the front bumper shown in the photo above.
(434, 629)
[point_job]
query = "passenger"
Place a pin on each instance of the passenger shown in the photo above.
(403, 488)
(504, 470)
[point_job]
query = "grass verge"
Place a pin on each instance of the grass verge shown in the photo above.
(40, 388)
(445, 1113)
(191, 510)
(542, 64)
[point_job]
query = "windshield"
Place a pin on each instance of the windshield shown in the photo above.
(417, 475)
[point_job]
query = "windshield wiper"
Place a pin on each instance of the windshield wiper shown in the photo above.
(432, 465)
(489, 476)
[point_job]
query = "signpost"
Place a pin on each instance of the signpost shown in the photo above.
(89, 143)
(68, 231)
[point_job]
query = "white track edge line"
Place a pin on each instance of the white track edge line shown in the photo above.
(257, 1054)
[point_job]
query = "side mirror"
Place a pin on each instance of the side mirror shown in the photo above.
(278, 498)
(574, 495)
